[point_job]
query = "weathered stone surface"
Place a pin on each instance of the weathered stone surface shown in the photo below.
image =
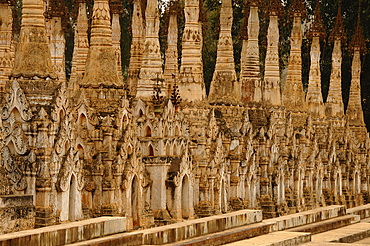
(280, 238)
(348, 234)
(137, 46)
(67, 233)
(225, 88)
(16, 213)
(191, 84)
(251, 84)
(101, 64)
(6, 43)
(151, 67)
(33, 51)
(310, 216)
(271, 83)
(199, 227)
(94, 149)
(293, 95)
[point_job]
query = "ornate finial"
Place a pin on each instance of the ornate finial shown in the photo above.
(250, 3)
(358, 40)
(175, 95)
(298, 8)
(157, 98)
(275, 7)
(244, 31)
(338, 30)
(174, 7)
(116, 6)
(318, 28)
(56, 8)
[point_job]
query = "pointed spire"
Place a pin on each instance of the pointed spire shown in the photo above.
(271, 85)
(338, 29)
(81, 42)
(171, 67)
(293, 94)
(191, 82)
(137, 46)
(314, 95)
(354, 112)
(251, 89)
(32, 56)
(358, 40)
(224, 85)
(317, 28)
(151, 67)
(334, 102)
(101, 64)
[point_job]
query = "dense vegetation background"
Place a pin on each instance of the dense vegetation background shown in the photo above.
(210, 10)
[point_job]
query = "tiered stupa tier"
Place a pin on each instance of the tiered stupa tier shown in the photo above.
(271, 85)
(137, 46)
(293, 96)
(101, 64)
(250, 76)
(354, 113)
(334, 102)
(224, 86)
(151, 68)
(81, 42)
(171, 67)
(314, 98)
(191, 82)
(6, 43)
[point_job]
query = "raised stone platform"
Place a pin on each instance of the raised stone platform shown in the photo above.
(228, 236)
(199, 227)
(66, 233)
(307, 217)
(327, 225)
(280, 238)
(188, 229)
(348, 234)
(121, 239)
(363, 211)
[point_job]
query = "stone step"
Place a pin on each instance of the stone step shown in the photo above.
(307, 217)
(280, 238)
(199, 227)
(327, 225)
(228, 236)
(330, 244)
(348, 234)
(182, 231)
(121, 239)
(363, 211)
(66, 233)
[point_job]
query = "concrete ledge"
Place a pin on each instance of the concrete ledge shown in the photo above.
(66, 233)
(229, 236)
(327, 225)
(348, 234)
(307, 217)
(199, 227)
(280, 238)
(363, 211)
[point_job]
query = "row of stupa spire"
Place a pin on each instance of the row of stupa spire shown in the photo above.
(96, 63)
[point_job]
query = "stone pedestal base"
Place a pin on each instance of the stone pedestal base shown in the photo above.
(44, 217)
(109, 210)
